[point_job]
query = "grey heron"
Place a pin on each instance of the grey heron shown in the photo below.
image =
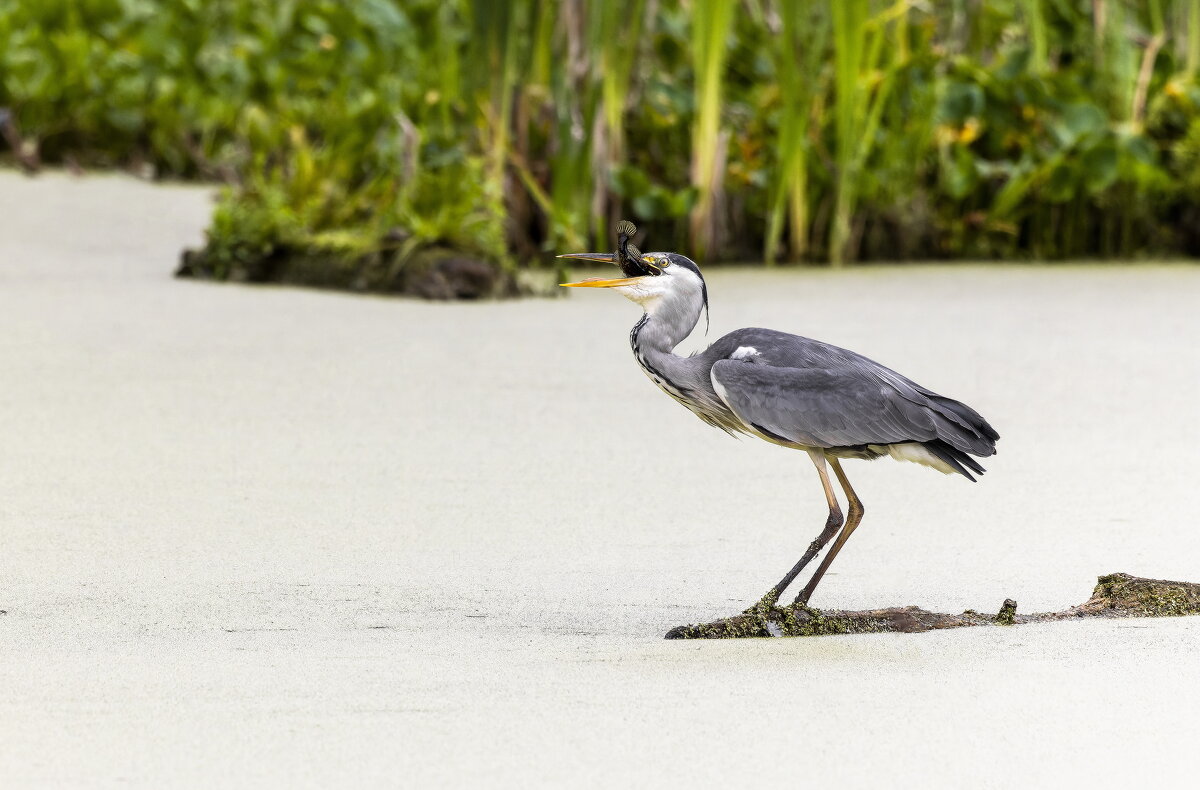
(793, 391)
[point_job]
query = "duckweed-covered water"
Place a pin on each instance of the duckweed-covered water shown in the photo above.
(263, 536)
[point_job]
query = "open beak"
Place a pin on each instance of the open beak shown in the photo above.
(596, 282)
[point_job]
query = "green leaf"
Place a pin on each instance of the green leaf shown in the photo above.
(1061, 183)
(1138, 147)
(1078, 121)
(959, 102)
(646, 207)
(1100, 167)
(959, 173)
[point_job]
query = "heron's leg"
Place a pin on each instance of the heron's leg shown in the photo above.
(853, 517)
(831, 527)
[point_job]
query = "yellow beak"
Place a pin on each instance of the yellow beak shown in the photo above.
(596, 282)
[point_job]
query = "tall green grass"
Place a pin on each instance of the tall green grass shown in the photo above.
(798, 52)
(1191, 40)
(711, 20)
(777, 129)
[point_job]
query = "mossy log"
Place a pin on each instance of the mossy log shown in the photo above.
(1116, 595)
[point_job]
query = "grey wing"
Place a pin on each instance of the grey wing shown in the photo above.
(821, 408)
(846, 380)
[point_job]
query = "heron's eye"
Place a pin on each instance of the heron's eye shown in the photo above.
(656, 264)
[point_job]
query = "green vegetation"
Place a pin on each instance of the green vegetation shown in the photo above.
(774, 129)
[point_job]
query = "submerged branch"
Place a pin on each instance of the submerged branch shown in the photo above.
(1116, 595)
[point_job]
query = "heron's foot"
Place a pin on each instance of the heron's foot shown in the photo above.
(766, 603)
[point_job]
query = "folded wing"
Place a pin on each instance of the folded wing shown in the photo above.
(850, 406)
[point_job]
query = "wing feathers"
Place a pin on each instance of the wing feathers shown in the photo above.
(848, 407)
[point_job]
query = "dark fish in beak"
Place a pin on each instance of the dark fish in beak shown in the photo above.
(627, 256)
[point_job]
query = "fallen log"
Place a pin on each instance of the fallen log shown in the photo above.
(1116, 595)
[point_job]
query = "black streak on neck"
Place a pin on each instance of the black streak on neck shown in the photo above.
(634, 337)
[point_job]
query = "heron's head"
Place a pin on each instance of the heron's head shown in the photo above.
(658, 278)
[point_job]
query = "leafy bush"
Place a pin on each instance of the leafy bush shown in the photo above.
(855, 129)
(302, 107)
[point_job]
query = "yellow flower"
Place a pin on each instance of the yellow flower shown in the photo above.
(970, 131)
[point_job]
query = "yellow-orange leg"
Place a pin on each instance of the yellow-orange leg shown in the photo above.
(853, 517)
(831, 526)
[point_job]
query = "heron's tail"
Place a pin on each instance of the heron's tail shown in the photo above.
(966, 427)
(956, 459)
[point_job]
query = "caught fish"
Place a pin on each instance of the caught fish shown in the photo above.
(628, 256)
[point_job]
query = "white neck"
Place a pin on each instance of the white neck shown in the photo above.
(670, 318)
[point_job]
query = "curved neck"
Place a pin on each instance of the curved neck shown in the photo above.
(667, 322)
